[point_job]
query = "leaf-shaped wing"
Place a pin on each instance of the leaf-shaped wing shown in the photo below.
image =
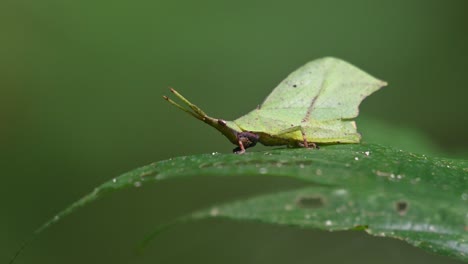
(316, 101)
(323, 89)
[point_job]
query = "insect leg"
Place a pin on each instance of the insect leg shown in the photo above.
(245, 140)
(240, 149)
(306, 143)
(304, 138)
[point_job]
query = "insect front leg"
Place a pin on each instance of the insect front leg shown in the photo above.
(245, 140)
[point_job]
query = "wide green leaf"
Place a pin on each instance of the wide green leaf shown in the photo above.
(385, 191)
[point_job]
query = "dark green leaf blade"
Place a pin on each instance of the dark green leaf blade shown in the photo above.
(390, 212)
(356, 168)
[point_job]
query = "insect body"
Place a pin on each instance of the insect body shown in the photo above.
(314, 104)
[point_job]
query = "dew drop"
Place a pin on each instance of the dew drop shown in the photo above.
(301, 166)
(356, 158)
(214, 211)
(214, 153)
(328, 223)
(416, 180)
(367, 153)
(318, 172)
(114, 180)
(137, 184)
(382, 173)
(464, 196)
(340, 192)
(56, 218)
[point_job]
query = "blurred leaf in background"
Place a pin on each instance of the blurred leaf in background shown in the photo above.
(80, 101)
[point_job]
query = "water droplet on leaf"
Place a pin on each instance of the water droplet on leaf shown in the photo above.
(214, 211)
(464, 196)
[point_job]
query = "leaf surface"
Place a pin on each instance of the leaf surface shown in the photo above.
(387, 192)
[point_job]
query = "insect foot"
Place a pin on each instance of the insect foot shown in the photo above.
(245, 140)
(310, 145)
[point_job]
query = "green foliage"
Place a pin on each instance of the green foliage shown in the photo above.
(384, 191)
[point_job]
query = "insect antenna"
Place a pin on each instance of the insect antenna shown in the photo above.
(195, 108)
(182, 108)
(196, 112)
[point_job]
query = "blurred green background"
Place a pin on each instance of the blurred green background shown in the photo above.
(80, 102)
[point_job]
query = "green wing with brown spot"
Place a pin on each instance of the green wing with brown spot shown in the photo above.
(321, 98)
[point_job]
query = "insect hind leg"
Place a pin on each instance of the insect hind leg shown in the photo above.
(304, 143)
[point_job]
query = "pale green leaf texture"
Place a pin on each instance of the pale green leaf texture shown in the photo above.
(385, 191)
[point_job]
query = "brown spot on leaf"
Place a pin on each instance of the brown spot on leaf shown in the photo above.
(310, 202)
(401, 207)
